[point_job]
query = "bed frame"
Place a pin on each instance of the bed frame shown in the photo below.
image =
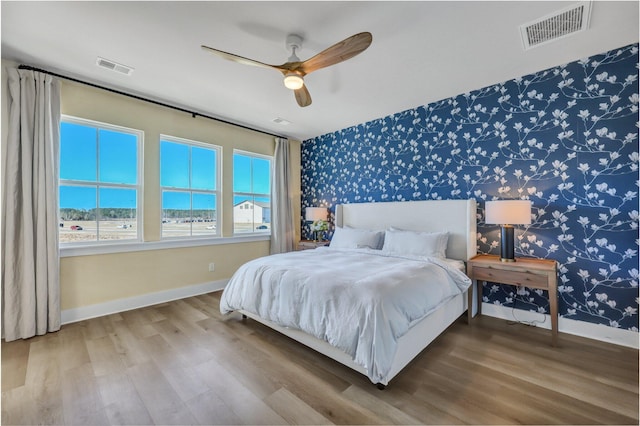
(458, 217)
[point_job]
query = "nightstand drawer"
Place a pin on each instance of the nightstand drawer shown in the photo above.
(526, 279)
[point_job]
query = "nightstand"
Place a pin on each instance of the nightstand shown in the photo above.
(524, 272)
(310, 244)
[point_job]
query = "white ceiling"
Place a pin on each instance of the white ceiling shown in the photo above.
(421, 52)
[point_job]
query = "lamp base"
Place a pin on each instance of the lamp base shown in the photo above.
(506, 244)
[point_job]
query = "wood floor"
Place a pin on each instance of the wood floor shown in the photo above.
(182, 363)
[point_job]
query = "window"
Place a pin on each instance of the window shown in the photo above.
(99, 186)
(189, 179)
(251, 193)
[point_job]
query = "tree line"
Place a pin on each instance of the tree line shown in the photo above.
(92, 214)
(125, 213)
(185, 213)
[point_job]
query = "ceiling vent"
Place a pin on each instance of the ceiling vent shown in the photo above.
(559, 24)
(114, 66)
(281, 121)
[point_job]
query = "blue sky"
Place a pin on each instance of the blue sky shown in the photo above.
(182, 167)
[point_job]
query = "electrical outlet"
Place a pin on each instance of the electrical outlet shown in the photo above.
(212, 267)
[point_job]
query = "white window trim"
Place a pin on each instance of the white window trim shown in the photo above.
(169, 243)
(253, 194)
(217, 191)
(88, 245)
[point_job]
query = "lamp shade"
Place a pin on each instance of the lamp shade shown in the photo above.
(507, 212)
(315, 213)
(293, 81)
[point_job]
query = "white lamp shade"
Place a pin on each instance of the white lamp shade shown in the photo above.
(507, 212)
(316, 213)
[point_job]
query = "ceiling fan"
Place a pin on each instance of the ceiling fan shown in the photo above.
(294, 69)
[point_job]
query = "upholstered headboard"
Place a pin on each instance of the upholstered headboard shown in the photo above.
(458, 217)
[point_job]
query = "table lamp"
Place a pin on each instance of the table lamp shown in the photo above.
(507, 213)
(313, 214)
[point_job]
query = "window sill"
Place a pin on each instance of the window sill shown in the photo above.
(77, 250)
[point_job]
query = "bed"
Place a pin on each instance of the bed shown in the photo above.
(299, 281)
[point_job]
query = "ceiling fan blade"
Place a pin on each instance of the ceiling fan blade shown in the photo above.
(238, 59)
(302, 96)
(341, 51)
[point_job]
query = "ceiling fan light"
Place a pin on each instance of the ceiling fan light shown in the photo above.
(293, 81)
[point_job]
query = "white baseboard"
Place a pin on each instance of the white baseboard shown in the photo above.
(600, 332)
(565, 325)
(121, 305)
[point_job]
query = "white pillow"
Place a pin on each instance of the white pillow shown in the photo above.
(356, 238)
(433, 244)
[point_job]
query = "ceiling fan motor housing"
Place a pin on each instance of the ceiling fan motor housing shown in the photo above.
(293, 43)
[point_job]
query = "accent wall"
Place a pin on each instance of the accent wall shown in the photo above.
(565, 138)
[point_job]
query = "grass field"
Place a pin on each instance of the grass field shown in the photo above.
(126, 229)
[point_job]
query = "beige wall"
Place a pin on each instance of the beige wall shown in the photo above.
(88, 280)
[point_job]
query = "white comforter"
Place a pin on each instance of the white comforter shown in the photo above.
(360, 301)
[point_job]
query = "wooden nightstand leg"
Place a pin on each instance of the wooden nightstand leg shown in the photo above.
(470, 294)
(553, 310)
(470, 303)
(476, 286)
(479, 287)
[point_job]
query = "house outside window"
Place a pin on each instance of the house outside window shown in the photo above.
(189, 181)
(251, 193)
(100, 183)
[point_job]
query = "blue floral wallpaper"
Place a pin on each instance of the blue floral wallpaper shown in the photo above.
(565, 138)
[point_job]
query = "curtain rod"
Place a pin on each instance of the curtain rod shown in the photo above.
(192, 113)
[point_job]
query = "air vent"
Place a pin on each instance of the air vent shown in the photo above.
(281, 121)
(114, 66)
(558, 25)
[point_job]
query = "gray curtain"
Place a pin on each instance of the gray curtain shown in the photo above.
(30, 258)
(282, 223)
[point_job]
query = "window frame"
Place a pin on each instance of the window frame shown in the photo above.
(270, 158)
(139, 186)
(217, 192)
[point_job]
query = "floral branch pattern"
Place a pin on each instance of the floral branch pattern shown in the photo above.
(565, 138)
